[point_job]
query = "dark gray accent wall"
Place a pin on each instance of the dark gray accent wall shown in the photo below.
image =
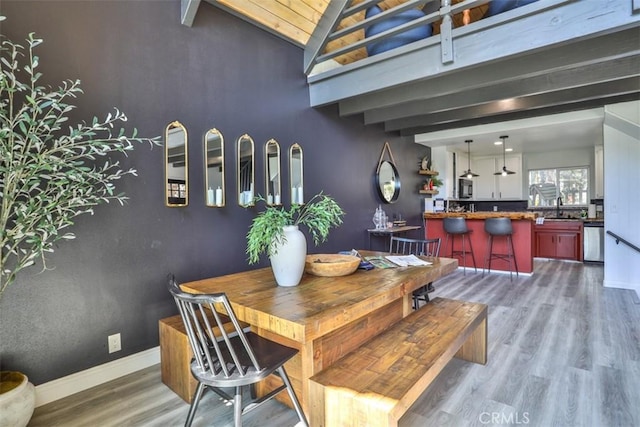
(223, 73)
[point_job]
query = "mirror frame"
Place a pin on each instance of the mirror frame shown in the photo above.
(295, 196)
(252, 180)
(396, 176)
(213, 198)
(274, 199)
(183, 188)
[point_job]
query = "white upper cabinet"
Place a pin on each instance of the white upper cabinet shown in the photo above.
(484, 186)
(497, 187)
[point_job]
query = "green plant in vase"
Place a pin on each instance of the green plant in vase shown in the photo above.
(436, 182)
(275, 232)
(431, 183)
(319, 215)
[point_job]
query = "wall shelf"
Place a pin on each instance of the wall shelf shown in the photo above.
(429, 192)
(427, 172)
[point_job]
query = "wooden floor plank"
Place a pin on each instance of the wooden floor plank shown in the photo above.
(562, 349)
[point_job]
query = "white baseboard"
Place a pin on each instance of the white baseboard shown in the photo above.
(74, 383)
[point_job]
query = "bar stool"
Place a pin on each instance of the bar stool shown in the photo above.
(457, 226)
(498, 227)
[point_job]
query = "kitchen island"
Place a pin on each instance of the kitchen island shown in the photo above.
(523, 240)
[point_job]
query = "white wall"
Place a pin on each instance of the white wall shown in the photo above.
(441, 162)
(622, 204)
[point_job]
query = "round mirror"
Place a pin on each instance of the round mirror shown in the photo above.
(388, 182)
(176, 165)
(214, 168)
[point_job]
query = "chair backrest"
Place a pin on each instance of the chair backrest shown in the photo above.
(426, 247)
(219, 349)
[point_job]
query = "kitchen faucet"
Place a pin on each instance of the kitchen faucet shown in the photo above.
(558, 204)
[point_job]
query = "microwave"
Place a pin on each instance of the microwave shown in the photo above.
(465, 188)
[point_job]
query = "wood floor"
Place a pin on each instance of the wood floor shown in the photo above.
(563, 351)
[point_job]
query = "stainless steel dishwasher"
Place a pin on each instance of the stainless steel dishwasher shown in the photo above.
(593, 241)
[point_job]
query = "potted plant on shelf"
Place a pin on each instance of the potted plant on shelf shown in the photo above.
(50, 172)
(436, 182)
(275, 231)
(431, 184)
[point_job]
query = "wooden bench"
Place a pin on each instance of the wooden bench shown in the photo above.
(376, 384)
(176, 355)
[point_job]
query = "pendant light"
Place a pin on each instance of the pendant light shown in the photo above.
(468, 174)
(504, 171)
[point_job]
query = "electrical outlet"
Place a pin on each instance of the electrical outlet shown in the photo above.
(114, 343)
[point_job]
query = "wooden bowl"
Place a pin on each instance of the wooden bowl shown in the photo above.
(331, 265)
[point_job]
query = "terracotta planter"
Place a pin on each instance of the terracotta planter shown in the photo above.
(17, 399)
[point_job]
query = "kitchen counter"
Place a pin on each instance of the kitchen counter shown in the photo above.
(516, 216)
(522, 223)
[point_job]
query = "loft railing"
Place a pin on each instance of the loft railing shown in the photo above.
(620, 239)
(337, 10)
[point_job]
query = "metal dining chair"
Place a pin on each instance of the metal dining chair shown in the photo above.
(425, 247)
(229, 357)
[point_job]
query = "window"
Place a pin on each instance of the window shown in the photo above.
(546, 185)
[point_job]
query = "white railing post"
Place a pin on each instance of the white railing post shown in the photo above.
(446, 42)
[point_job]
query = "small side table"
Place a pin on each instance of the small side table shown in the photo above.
(389, 232)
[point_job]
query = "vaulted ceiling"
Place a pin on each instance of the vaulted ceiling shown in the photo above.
(512, 91)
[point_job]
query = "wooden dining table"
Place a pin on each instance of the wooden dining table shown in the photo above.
(323, 317)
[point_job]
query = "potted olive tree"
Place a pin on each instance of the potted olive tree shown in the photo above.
(275, 232)
(50, 172)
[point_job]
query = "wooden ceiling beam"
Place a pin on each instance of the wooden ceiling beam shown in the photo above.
(567, 56)
(596, 93)
(501, 118)
(579, 76)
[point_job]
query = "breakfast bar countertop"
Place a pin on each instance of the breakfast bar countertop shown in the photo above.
(531, 216)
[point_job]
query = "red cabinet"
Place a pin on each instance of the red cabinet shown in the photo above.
(545, 244)
(559, 239)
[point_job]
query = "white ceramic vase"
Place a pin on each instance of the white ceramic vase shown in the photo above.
(17, 404)
(288, 262)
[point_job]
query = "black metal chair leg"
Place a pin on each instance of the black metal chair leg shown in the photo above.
(473, 257)
(513, 252)
(237, 408)
(194, 404)
(292, 395)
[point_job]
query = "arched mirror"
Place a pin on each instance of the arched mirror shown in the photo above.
(176, 165)
(245, 167)
(387, 177)
(214, 168)
(272, 176)
(296, 174)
